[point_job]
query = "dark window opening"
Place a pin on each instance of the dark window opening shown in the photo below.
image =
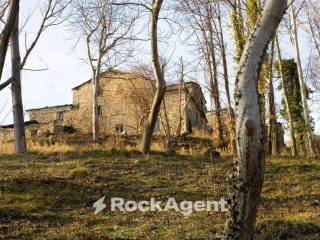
(189, 126)
(119, 128)
(99, 110)
(60, 116)
(34, 133)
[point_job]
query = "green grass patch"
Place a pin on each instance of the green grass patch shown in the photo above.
(50, 196)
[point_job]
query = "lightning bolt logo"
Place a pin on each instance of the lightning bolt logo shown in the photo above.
(99, 205)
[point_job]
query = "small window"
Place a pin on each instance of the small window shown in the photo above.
(157, 127)
(60, 116)
(99, 110)
(34, 133)
(189, 126)
(119, 128)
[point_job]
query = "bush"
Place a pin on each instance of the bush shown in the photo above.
(78, 172)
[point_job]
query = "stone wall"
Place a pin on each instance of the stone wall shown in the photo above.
(31, 130)
(125, 100)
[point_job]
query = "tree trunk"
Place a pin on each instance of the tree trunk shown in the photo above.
(301, 79)
(17, 106)
(181, 88)
(250, 162)
(7, 30)
(160, 82)
(226, 84)
(95, 112)
(212, 65)
(272, 131)
(286, 100)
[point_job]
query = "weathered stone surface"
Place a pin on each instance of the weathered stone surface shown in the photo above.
(124, 101)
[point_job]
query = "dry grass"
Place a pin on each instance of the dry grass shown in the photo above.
(8, 148)
(50, 195)
(200, 134)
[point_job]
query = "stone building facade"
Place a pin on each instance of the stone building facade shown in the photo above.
(123, 105)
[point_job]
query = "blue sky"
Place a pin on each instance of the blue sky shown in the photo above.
(66, 69)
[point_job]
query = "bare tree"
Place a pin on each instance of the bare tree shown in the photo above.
(104, 27)
(159, 77)
(313, 23)
(250, 161)
(17, 107)
(202, 14)
(222, 47)
(51, 17)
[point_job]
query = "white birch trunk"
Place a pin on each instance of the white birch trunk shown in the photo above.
(250, 161)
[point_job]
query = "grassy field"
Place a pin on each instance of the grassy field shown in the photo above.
(50, 196)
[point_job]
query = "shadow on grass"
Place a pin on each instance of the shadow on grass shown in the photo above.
(288, 230)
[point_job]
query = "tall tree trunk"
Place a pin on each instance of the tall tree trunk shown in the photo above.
(286, 100)
(250, 162)
(17, 106)
(301, 79)
(160, 82)
(181, 88)
(213, 73)
(7, 30)
(226, 84)
(95, 107)
(272, 131)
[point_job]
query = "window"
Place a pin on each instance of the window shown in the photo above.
(119, 128)
(189, 126)
(157, 127)
(60, 116)
(34, 133)
(99, 110)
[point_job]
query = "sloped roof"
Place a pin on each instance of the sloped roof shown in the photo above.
(169, 87)
(103, 73)
(27, 123)
(51, 107)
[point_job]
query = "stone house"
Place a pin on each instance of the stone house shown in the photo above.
(123, 105)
